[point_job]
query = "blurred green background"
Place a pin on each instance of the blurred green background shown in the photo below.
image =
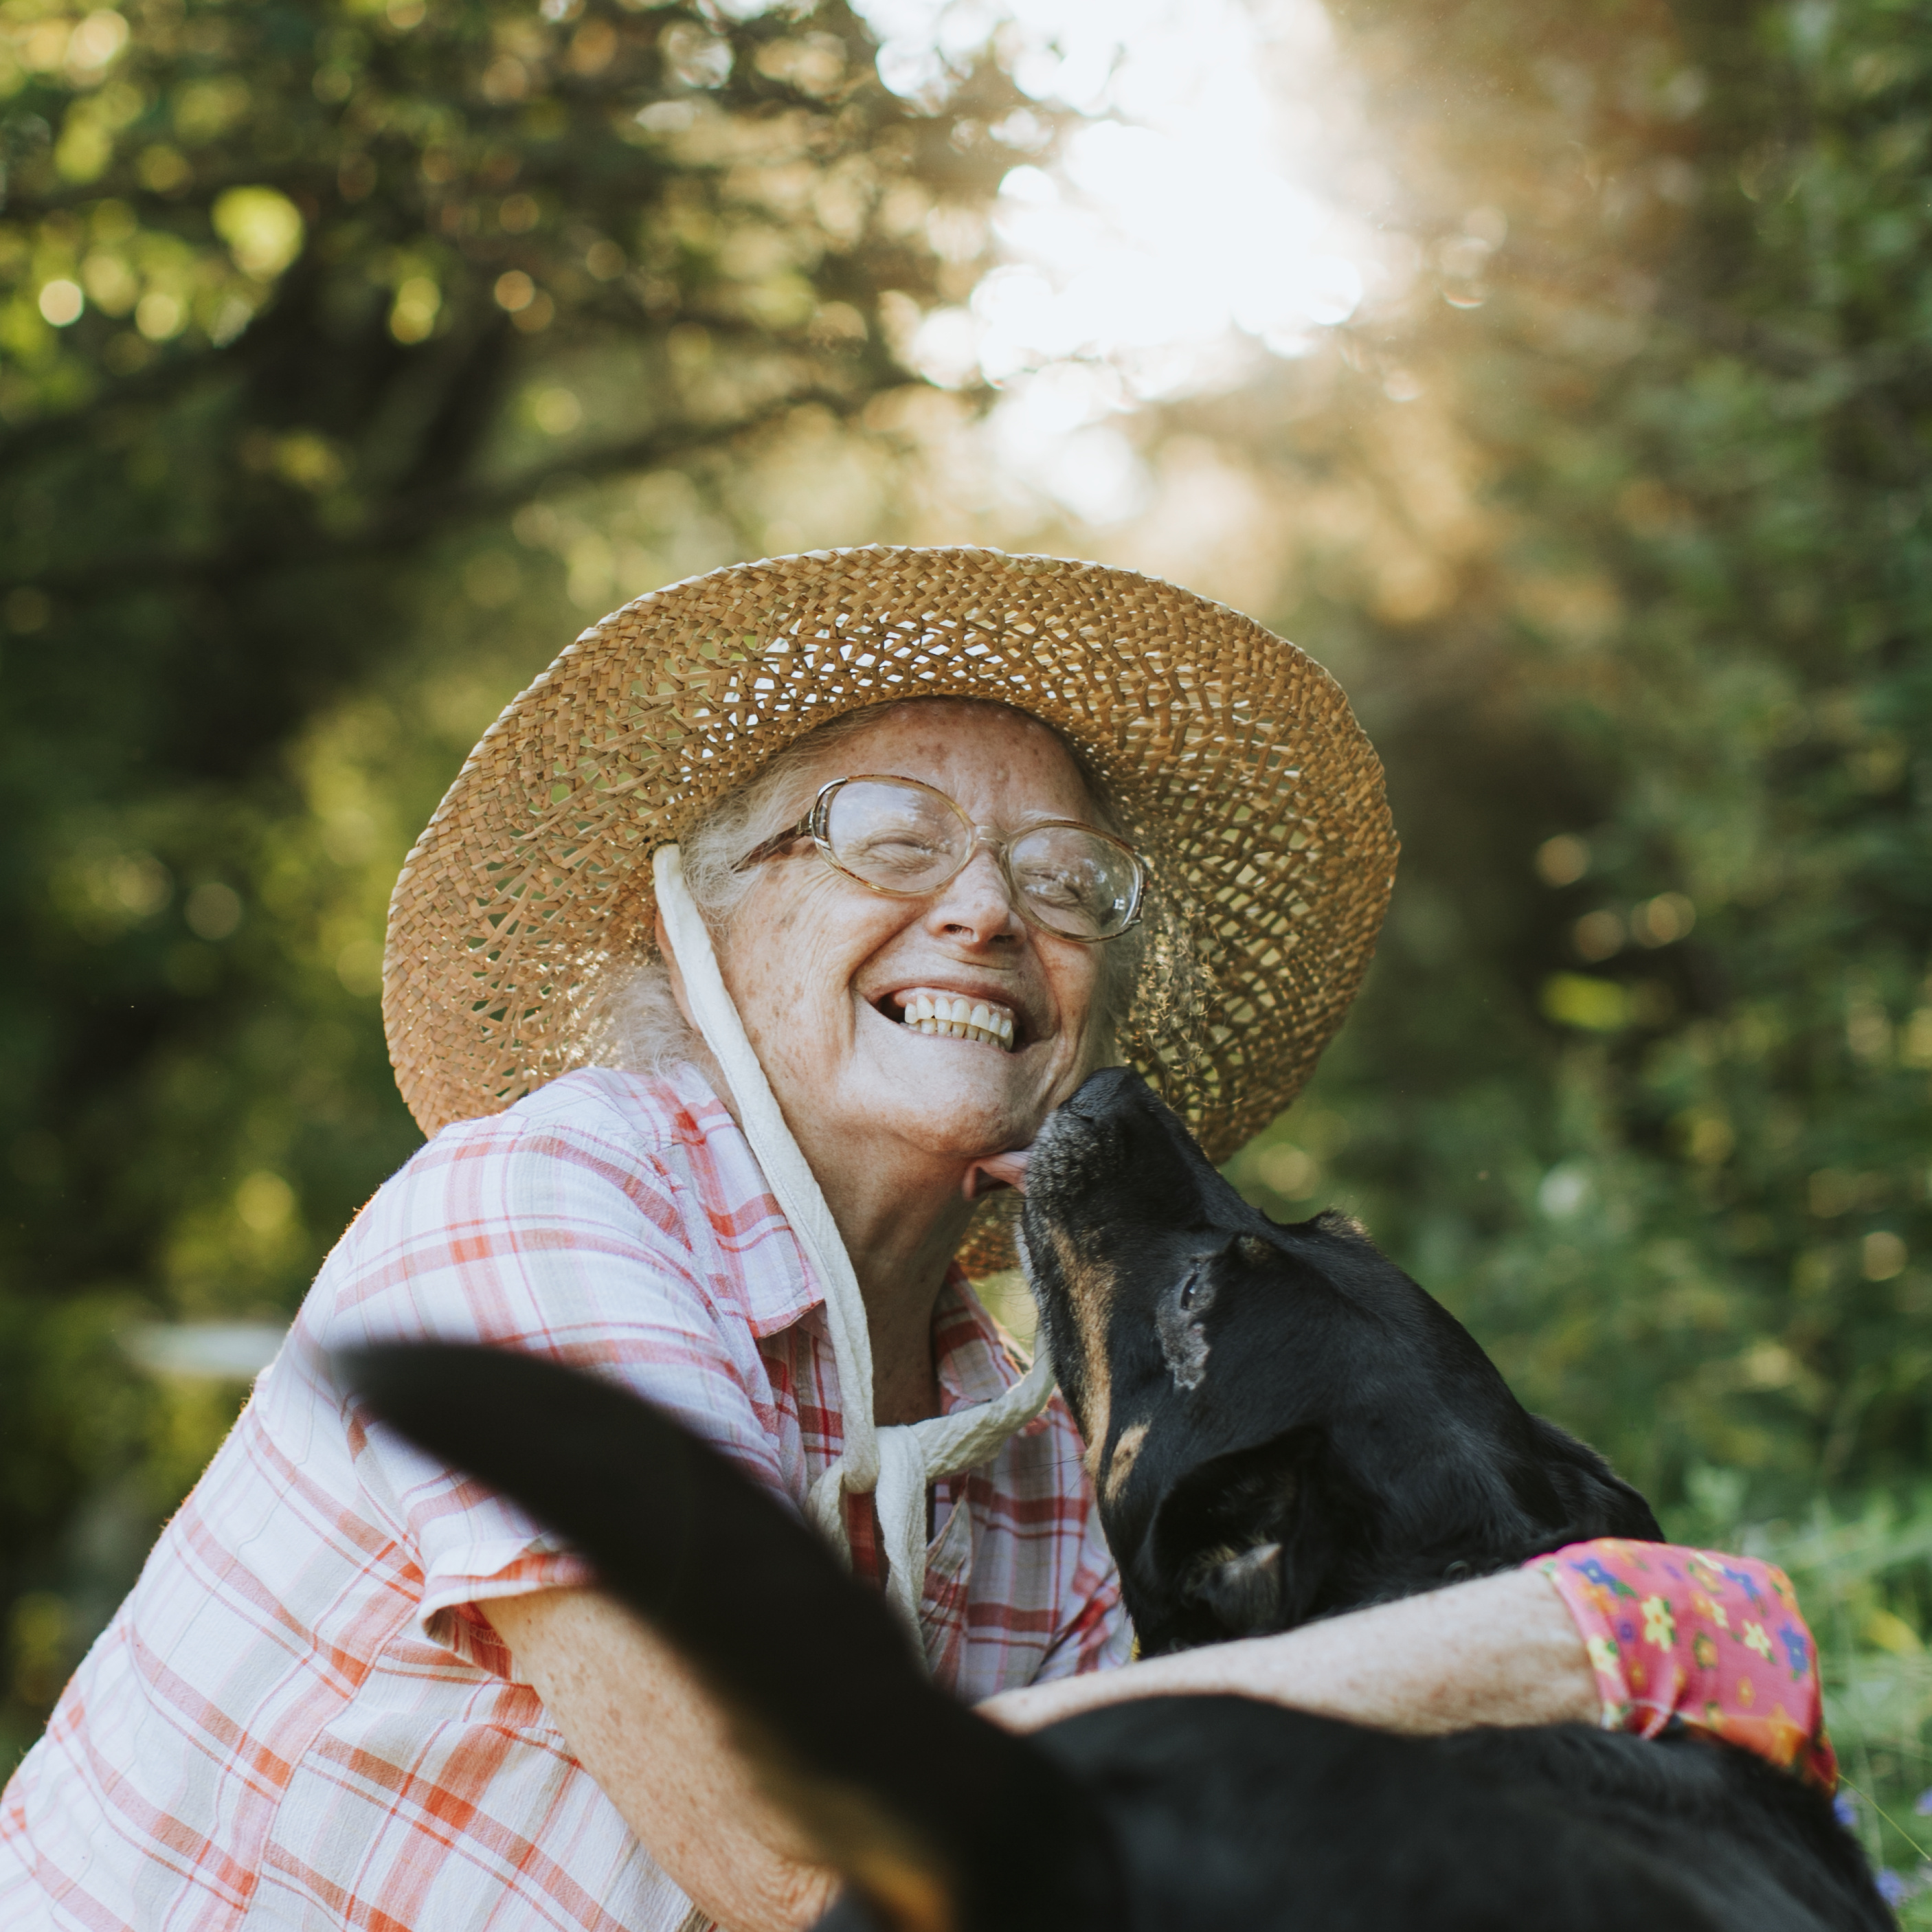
(353, 355)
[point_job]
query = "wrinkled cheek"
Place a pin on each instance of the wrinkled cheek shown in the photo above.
(1085, 1055)
(1081, 1020)
(782, 961)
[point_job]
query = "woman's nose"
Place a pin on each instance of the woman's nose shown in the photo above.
(973, 905)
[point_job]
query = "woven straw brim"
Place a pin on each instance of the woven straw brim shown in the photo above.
(1233, 757)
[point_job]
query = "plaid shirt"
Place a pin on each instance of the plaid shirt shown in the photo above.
(300, 1718)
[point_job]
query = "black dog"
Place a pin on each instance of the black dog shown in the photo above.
(1283, 1426)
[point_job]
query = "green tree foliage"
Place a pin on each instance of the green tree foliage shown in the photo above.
(343, 346)
(1642, 1081)
(337, 344)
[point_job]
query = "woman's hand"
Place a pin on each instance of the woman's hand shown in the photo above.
(637, 1721)
(1503, 1650)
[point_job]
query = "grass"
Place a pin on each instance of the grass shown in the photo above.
(1863, 1571)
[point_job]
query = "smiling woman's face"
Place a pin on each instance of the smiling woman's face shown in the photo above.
(831, 978)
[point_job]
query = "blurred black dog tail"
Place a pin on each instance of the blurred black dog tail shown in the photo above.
(939, 1821)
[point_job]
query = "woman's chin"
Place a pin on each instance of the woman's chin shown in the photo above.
(966, 1110)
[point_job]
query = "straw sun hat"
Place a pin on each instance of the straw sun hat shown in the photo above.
(1240, 772)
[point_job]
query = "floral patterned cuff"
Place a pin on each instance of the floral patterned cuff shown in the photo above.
(1714, 1642)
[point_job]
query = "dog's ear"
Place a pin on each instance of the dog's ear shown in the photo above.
(939, 1821)
(1250, 1536)
(1242, 1593)
(1596, 1501)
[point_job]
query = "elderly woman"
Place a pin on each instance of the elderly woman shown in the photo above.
(958, 827)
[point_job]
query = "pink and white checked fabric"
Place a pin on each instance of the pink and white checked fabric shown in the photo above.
(299, 1718)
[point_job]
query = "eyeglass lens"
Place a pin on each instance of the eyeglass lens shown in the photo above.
(902, 838)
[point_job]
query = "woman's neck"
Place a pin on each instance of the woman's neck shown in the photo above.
(902, 1216)
(901, 1231)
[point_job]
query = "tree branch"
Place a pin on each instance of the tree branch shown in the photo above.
(412, 519)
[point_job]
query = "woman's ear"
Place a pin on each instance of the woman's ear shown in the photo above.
(700, 1048)
(677, 977)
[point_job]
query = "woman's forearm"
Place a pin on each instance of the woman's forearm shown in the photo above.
(636, 1721)
(1503, 1650)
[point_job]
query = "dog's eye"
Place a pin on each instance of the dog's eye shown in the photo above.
(1187, 1288)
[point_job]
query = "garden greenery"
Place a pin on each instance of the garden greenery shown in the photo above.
(349, 353)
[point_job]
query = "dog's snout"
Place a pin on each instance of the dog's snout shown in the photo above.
(1101, 1092)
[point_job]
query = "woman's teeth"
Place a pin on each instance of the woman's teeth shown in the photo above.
(951, 1017)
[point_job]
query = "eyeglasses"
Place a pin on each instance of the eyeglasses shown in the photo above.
(906, 840)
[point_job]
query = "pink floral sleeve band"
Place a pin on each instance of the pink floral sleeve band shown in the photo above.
(1714, 1642)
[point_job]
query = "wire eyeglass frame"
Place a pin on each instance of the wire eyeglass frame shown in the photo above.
(816, 824)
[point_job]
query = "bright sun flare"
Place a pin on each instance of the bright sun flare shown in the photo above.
(1209, 212)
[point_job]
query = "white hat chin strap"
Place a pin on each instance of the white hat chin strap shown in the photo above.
(898, 1463)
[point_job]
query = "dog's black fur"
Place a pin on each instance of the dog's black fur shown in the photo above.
(1283, 1426)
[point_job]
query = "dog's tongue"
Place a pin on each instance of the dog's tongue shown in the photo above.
(999, 1170)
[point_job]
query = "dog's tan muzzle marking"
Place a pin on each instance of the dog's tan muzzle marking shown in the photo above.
(1121, 1463)
(1090, 1288)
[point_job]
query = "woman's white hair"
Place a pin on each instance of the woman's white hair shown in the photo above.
(640, 1028)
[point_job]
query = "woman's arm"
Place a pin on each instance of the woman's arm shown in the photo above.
(1504, 1650)
(635, 1719)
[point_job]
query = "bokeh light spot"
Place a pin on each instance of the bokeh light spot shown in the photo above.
(213, 911)
(62, 301)
(263, 228)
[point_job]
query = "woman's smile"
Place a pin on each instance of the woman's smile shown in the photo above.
(943, 1013)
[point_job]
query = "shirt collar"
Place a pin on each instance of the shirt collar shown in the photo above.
(972, 1357)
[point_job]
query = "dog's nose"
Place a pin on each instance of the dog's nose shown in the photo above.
(1101, 1093)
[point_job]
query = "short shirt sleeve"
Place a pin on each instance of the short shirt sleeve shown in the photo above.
(1697, 1638)
(567, 1236)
